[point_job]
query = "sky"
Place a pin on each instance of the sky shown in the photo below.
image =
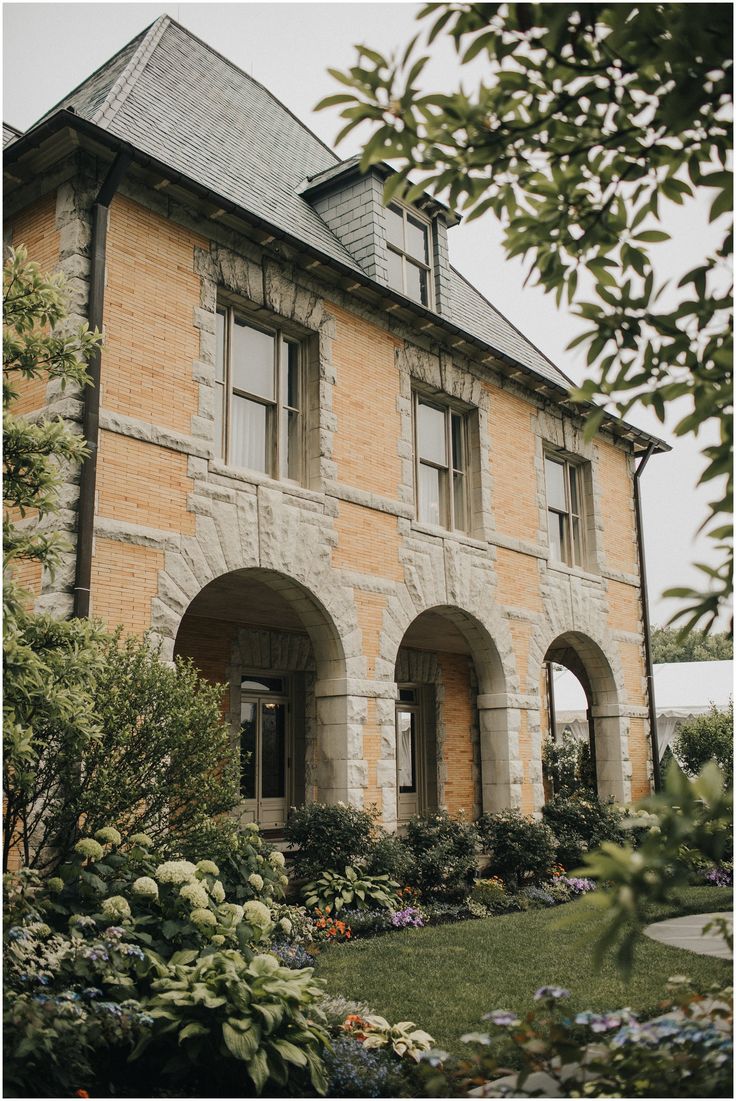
(49, 48)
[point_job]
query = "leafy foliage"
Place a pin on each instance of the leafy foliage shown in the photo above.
(159, 761)
(221, 1016)
(520, 849)
(669, 645)
(691, 815)
(705, 738)
(356, 1071)
(444, 851)
(580, 824)
(334, 890)
(589, 121)
(568, 764)
(324, 831)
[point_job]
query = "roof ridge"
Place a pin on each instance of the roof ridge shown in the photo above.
(121, 88)
(518, 331)
(252, 79)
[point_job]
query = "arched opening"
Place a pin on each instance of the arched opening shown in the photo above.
(272, 643)
(583, 744)
(447, 673)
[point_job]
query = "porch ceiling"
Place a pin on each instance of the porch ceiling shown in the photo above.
(246, 601)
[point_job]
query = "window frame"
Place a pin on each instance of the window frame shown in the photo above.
(450, 471)
(570, 557)
(277, 408)
(407, 258)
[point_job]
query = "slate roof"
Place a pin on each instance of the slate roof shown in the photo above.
(178, 100)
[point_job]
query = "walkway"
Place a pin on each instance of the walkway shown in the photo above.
(687, 932)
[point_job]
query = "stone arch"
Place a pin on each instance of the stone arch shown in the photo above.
(497, 717)
(257, 618)
(595, 663)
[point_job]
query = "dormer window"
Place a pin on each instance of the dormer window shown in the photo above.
(408, 237)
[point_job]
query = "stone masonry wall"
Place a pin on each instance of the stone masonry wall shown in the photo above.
(344, 549)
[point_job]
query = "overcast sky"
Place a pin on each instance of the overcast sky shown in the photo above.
(49, 48)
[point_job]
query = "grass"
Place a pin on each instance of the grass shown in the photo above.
(445, 978)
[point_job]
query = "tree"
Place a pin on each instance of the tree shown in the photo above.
(669, 646)
(591, 118)
(704, 738)
(97, 730)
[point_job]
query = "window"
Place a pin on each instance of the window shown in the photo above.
(259, 423)
(564, 510)
(441, 465)
(409, 250)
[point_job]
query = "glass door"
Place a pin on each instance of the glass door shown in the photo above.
(409, 765)
(264, 719)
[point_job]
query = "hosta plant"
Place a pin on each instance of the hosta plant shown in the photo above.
(403, 1038)
(353, 889)
(222, 1020)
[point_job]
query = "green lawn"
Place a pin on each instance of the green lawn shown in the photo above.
(445, 978)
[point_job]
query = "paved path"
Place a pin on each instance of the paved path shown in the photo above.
(687, 932)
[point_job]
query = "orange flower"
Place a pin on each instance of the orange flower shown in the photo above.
(81, 1093)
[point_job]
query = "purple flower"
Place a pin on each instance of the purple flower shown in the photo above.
(554, 992)
(502, 1018)
(400, 919)
(577, 884)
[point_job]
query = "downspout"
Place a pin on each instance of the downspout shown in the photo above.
(91, 417)
(645, 618)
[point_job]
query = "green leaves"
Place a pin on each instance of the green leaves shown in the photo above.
(333, 890)
(556, 142)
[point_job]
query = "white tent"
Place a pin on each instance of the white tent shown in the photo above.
(681, 690)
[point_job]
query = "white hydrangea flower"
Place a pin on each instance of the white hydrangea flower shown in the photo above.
(235, 910)
(175, 871)
(256, 881)
(203, 918)
(217, 891)
(195, 894)
(116, 907)
(252, 827)
(286, 926)
(141, 839)
(207, 867)
(284, 880)
(257, 914)
(108, 835)
(89, 848)
(55, 884)
(218, 939)
(145, 887)
(277, 859)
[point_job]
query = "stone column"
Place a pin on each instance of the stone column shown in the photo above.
(502, 774)
(341, 770)
(613, 768)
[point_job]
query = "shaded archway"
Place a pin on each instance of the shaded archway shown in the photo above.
(452, 742)
(275, 646)
(599, 722)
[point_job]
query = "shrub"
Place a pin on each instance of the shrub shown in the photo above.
(707, 737)
(581, 824)
(492, 896)
(161, 760)
(356, 1071)
(323, 832)
(519, 848)
(333, 891)
(391, 856)
(293, 956)
(568, 765)
(444, 851)
(366, 923)
(251, 868)
(539, 897)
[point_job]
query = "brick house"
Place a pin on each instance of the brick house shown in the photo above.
(326, 468)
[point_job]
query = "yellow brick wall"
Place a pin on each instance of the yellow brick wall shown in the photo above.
(639, 752)
(373, 796)
(624, 607)
(514, 484)
(518, 580)
(124, 581)
(364, 402)
(208, 642)
(619, 525)
(457, 713)
(368, 541)
(35, 227)
(370, 608)
(143, 484)
(150, 298)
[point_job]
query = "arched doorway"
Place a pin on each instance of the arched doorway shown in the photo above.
(450, 741)
(271, 642)
(581, 707)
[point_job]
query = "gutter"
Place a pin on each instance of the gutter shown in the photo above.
(645, 618)
(91, 415)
